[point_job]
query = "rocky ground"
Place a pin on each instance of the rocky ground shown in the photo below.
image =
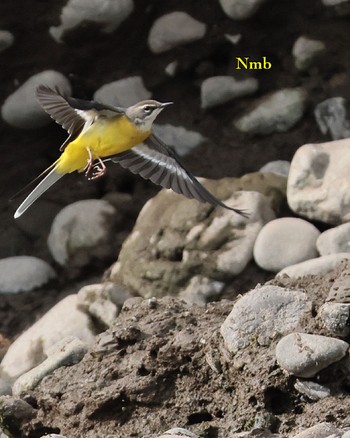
(170, 362)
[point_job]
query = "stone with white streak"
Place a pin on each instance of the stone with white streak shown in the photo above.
(306, 51)
(33, 346)
(276, 112)
(334, 240)
(174, 29)
(263, 314)
(240, 9)
(83, 231)
(319, 184)
(109, 14)
(124, 92)
(284, 242)
(218, 90)
(304, 355)
(22, 110)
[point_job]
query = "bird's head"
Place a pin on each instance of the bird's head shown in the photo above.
(145, 112)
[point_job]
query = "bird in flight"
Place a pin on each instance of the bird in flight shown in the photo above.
(100, 133)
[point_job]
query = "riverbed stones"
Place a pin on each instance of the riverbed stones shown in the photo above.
(306, 51)
(304, 355)
(332, 117)
(240, 9)
(334, 240)
(319, 184)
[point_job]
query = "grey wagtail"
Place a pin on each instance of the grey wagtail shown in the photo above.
(98, 131)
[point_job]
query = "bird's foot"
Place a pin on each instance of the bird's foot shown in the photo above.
(98, 170)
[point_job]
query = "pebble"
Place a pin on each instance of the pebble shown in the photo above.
(262, 314)
(304, 355)
(331, 117)
(6, 40)
(22, 110)
(172, 68)
(322, 430)
(83, 231)
(240, 10)
(233, 39)
(306, 51)
(279, 167)
(311, 389)
(178, 432)
(124, 92)
(336, 317)
(32, 346)
(318, 266)
(14, 412)
(174, 29)
(284, 242)
(54, 435)
(66, 352)
(23, 274)
(108, 13)
(200, 290)
(318, 183)
(217, 90)
(277, 112)
(334, 240)
(183, 140)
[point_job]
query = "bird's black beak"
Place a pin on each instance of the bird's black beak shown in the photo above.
(163, 105)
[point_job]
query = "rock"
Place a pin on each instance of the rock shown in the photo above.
(31, 347)
(5, 388)
(318, 184)
(4, 346)
(83, 231)
(312, 390)
(13, 413)
(172, 68)
(240, 9)
(340, 290)
(174, 29)
(178, 432)
(53, 435)
(108, 13)
(304, 355)
(124, 93)
(183, 140)
(319, 266)
(306, 52)
(233, 39)
(221, 89)
(336, 317)
(6, 40)
(66, 352)
(276, 112)
(200, 290)
(284, 242)
(21, 109)
(23, 274)
(102, 301)
(322, 430)
(262, 314)
(331, 116)
(279, 167)
(334, 240)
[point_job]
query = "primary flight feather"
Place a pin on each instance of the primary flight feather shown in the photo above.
(100, 133)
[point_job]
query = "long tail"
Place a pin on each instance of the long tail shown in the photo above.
(45, 184)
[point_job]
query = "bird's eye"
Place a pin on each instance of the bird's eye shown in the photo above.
(147, 109)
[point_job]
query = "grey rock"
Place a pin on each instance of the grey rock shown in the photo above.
(67, 351)
(336, 317)
(340, 290)
(263, 314)
(14, 412)
(221, 89)
(276, 112)
(334, 240)
(284, 242)
(321, 430)
(33, 346)
(311, 389)
(22, 110)
(317, 266)
(174, 29)
(83, 231)
(178, 432)
(109, 14)
(304, 355)
(306, 52)
(233, 39)
(200, 290)
(279, 167)
(318, 183)
(331, 117)
(6, 40)
(23, 274)
(183, 140)
(240, 9)
(172, 68)
(124, 93)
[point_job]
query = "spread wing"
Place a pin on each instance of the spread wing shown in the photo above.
(72, 114)
(157, 162)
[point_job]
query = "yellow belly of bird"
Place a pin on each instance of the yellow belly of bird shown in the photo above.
(104, 138)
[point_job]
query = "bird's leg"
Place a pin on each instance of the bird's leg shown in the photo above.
(90, 162)
(99, 170)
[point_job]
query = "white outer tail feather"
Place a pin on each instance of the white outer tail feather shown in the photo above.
(41, 188)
